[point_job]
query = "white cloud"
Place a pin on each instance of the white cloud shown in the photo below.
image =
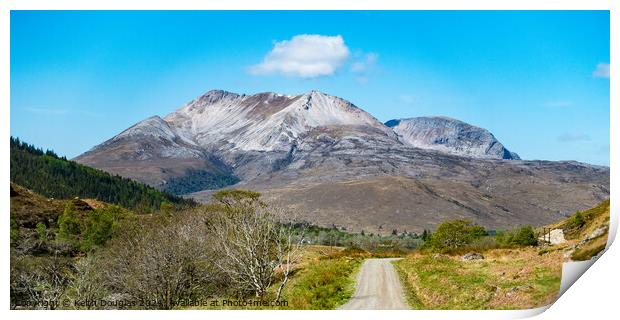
(304, 56)
(601, 71)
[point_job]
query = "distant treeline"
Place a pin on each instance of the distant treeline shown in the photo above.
(198, 180)
(56, 177)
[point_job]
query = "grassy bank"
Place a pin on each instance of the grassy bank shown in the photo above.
(586, 232)
(323, 280)
(323, 285)
(506, 279)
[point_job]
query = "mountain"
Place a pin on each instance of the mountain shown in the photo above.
(451, 136)
(264, 122)
(227, 135)
(56, 177)
(336, 164)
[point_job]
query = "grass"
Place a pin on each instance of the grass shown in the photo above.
(577, 233)
(324, 285)
(592, 219)
(506, 279)
(324, 279)
(590, 248)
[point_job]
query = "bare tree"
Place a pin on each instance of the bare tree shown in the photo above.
(255, 241)
(246, 241)
(163, 261)
(289, 239)
(38, 281)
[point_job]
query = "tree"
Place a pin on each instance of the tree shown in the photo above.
(41, 230)
(577, 220)
(70, 224)
(39, 280)
(288, 241)
(87, 282)
(56, 177)
(86, 230)
(100, 224)
(525, 236)
(454, 234)
(425, 235)
(162, 261)
(522, 236)
(254, 241)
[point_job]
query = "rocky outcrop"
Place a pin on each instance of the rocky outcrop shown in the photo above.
(556, 236)
(472, 256)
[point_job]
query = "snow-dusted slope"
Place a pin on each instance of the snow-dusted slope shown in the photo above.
(450, 136)
(151, 138)
(262, 122)
(248, 134)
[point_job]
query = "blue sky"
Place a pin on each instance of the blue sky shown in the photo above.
(538, 80)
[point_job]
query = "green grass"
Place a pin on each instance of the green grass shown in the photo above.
(324, 285)
(508, 279)
(590, 220)
(443, 286)
(580, 225)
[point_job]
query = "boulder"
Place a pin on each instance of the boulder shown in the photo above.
(556, 236)
(472, 256)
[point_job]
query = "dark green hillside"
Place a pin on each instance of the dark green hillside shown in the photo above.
(56, 177)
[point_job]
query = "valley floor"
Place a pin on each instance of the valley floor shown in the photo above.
(333, 278)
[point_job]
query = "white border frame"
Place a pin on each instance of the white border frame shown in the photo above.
(592, 296)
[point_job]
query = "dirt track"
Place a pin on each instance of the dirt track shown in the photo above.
(377, 287)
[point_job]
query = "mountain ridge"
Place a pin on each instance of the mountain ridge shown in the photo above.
(293, 147)
(450, 135)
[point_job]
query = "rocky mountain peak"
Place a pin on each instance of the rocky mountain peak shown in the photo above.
(451, 136)
(153, 126)
(214, 96)
(263, 122)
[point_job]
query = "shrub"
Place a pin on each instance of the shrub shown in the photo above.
(324, 285)
(14, 231)
(88, 230)
(40, 280)
(99, 225)
(69, 223)
(161, 262)
(455, 234)
(522, 236)
(41, 231)
(577, 220)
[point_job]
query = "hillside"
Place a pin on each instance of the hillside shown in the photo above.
(56, 177)
(585, 232)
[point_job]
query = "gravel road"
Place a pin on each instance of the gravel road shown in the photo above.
(377, 287)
